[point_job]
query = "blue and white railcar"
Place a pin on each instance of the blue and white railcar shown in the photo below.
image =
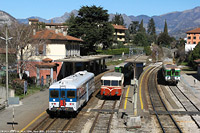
(70, 93)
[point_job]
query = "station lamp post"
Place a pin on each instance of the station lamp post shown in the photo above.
(6, 39)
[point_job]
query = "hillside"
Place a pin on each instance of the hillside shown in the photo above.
(178, 22)
(6, 18)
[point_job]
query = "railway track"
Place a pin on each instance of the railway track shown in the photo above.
(53, 124)
(186, 103)
(103, 119)
(166, 122)
(61, 124)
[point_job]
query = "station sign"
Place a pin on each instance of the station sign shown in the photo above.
(13, 100)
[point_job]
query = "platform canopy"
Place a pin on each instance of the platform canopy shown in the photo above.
(84, 58)
(137, 59)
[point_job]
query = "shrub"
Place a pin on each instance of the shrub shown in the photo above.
(31, 80)
(18, 86)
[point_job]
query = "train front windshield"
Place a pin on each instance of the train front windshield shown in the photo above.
(114, 83)
(54, 93)
(106, 82)
(177, 73)
(111, 83)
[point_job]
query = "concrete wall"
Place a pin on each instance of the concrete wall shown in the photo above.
(3, 93)
(189, 47)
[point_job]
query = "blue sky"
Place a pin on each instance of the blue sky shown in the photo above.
(55, 8)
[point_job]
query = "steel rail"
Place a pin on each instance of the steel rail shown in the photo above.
(35, 127)
(183, 104)
(97, 87)
(157, 116)
(95, 120)
(110, 120)
(51, 123)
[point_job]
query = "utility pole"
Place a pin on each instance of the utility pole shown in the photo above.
(6, 39)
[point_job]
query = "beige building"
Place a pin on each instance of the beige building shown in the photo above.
(50, 46)
(119, 32)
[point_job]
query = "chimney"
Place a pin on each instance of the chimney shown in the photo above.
(52, 21)
(56, 30)
(34, 32)
(64, 33)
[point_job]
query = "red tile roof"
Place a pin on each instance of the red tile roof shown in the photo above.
(33, 19)
(197, 61)
(119, 27)
(52, 35)
(47, 60)
(197, 30)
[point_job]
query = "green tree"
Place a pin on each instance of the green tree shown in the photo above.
(93, 27)
(141, 39)
(133, 27)
(70, 20)
(118, 19)
(147, 50)
(164, 39)
(165, 28)
(151, 27)
(141, 27)
(194, 55)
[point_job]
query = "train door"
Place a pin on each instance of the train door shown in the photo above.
(173, 74)
(62, 97)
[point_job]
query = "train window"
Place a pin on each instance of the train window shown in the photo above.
(106, 82)
(116, 70)
(54, 94)
(168, 72)
(62, 94)
(70, 94)
(114, 83)
(176, 73)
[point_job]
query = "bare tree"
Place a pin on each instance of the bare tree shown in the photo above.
(24, 44)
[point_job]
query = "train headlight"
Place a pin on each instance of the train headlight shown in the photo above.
(167, 78)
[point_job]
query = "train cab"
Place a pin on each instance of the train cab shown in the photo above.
(112, 84)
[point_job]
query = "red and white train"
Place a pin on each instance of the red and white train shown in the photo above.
(112, 84)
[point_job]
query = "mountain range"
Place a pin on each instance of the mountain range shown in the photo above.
(178, 22)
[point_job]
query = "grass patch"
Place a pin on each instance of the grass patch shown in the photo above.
(31, 90)
(184, 63)
(114, 62)
(114, 51)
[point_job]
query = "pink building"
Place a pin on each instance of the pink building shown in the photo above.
(193, 38)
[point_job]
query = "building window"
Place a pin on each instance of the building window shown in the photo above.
(189, 37)
(41, 50)
(194, 42)
(194, 37)
(188, 42)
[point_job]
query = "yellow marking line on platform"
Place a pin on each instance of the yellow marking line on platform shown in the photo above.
(126, 97)
(33, 121)
(141, 88)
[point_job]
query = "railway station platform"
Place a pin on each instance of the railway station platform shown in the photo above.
(128, 107)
